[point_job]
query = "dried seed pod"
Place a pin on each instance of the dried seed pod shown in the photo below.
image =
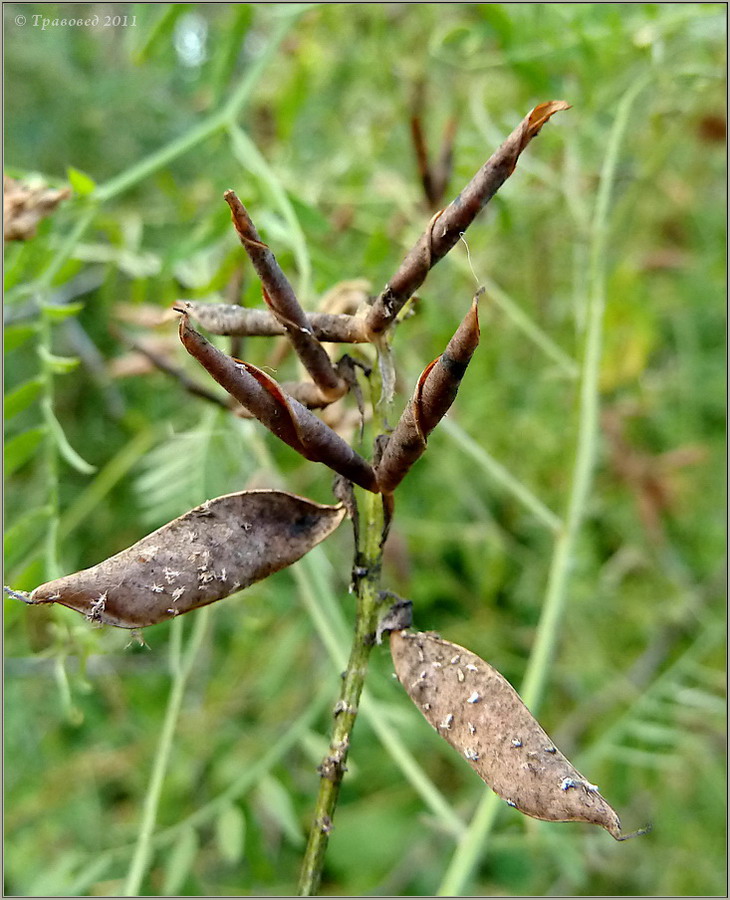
(445, 228)
(24, 207)
(282, 301)
(434, 176)
(285, 417)
(212, 551)
(434, 394)
(482, 716)
(228, 319)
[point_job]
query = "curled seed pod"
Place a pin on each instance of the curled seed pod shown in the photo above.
(282, 301)
(207, 554)
(229, 319)
(434, 394)
(285, 417)
(483, 717)
(306, 393)
(445, 228)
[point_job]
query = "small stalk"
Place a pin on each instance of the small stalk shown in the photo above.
(181, 666)
(366, 579)
(471, 847)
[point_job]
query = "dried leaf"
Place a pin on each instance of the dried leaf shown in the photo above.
(207, 554)
(435, 392)
(24, 207)
(284, 416)
(482, 716)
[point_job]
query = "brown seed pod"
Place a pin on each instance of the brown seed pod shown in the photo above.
(483, 717)
(229, 319)
(434, 394)
(284, 416)
(446, 227)
(212, 551)
(282, 301)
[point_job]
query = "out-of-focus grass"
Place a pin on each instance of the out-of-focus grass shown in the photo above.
(635, 693)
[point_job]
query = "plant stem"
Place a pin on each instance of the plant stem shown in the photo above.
(333, 766)
(471, 847)
(548, 628)
(330, 624)
(180, 667)
(209, 126)
(366, 577)
(501, 475)
(213, 123)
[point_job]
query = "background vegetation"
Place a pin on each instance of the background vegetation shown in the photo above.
(304, 112)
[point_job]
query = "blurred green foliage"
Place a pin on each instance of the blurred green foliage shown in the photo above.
(636, 692)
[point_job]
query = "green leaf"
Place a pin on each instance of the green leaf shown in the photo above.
(223, 64)
(179, 862)
(277, 801)
(16, 335)
(66, 450)
(82, 184)
(22, 397)
(59, 365)
(57, 312)
(19, 449)
(21, 538)
(312, 220)
(159, 33)
(230, 830)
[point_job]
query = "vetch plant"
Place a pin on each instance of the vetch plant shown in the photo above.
(229, 542)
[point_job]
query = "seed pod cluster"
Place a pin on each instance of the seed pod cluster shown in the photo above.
(207, 554)
(484, 719)
(288, 419)
(435, 392)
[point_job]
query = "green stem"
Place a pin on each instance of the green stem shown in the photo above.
(216, 121)
(64, 252)
(112, 473)
(203, 816)
(50, 452)
(331, 627)
(181, 666)
(366, 576)
(501, 475)
(369, 559)
(471, 847)
(548, 628)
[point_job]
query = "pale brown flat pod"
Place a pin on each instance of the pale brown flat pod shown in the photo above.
(484, 719)
(229, 319)
(284, 416)
(447, 225)
(435, 392)
(207, 554)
